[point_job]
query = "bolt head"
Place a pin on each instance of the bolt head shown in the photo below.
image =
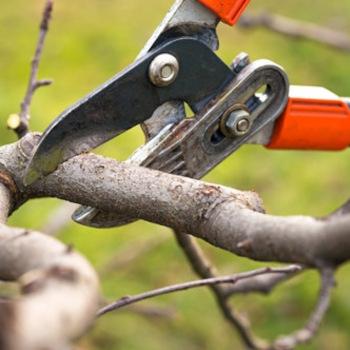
(164, 70)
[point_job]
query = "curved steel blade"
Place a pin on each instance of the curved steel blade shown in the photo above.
(127, 100)
(185, 18)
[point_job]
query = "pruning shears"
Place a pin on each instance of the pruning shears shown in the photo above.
(232, 105)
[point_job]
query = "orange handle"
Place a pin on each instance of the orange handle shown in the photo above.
(228, 10)
(315, 119)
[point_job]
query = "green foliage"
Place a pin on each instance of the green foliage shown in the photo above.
(89, 41)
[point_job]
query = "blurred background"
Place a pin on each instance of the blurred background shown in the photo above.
(91, 40)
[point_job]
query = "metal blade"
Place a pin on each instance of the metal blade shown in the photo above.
(127, 100)
(186, 17)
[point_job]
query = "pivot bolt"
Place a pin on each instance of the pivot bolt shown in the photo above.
(164, 70)
(236, 122)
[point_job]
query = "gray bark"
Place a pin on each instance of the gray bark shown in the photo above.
(224, 217)
(60, 289)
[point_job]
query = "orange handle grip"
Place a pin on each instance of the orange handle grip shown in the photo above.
(315, 119)
(228, 10)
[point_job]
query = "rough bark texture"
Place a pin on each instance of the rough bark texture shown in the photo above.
(59, 289)
(226, 218)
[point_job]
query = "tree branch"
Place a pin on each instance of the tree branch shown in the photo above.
(261, 284)
(190, 285)
(5, 203)
(204, 269)
(309, 331)
(226, 218)
(51, 274)
(20, 123)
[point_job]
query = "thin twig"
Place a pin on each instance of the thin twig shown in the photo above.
(261, 284)
(190, 285)
(202, 266)
(309, 331)
(20, 124)
(297, 29)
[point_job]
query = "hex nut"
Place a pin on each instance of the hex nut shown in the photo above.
(236, 122)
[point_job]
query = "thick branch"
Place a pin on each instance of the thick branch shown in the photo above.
(226, 218)
(60, 289)
(5, 203)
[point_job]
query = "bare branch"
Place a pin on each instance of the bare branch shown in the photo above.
(5, 203)
(309, 331)
(48, 274)
(42, 83)
(204, 269)
(190, 285)
(20, 124)
(297, 29)
(261, 284)
(226, 218)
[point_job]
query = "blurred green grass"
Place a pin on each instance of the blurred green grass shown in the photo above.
(91, 40)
